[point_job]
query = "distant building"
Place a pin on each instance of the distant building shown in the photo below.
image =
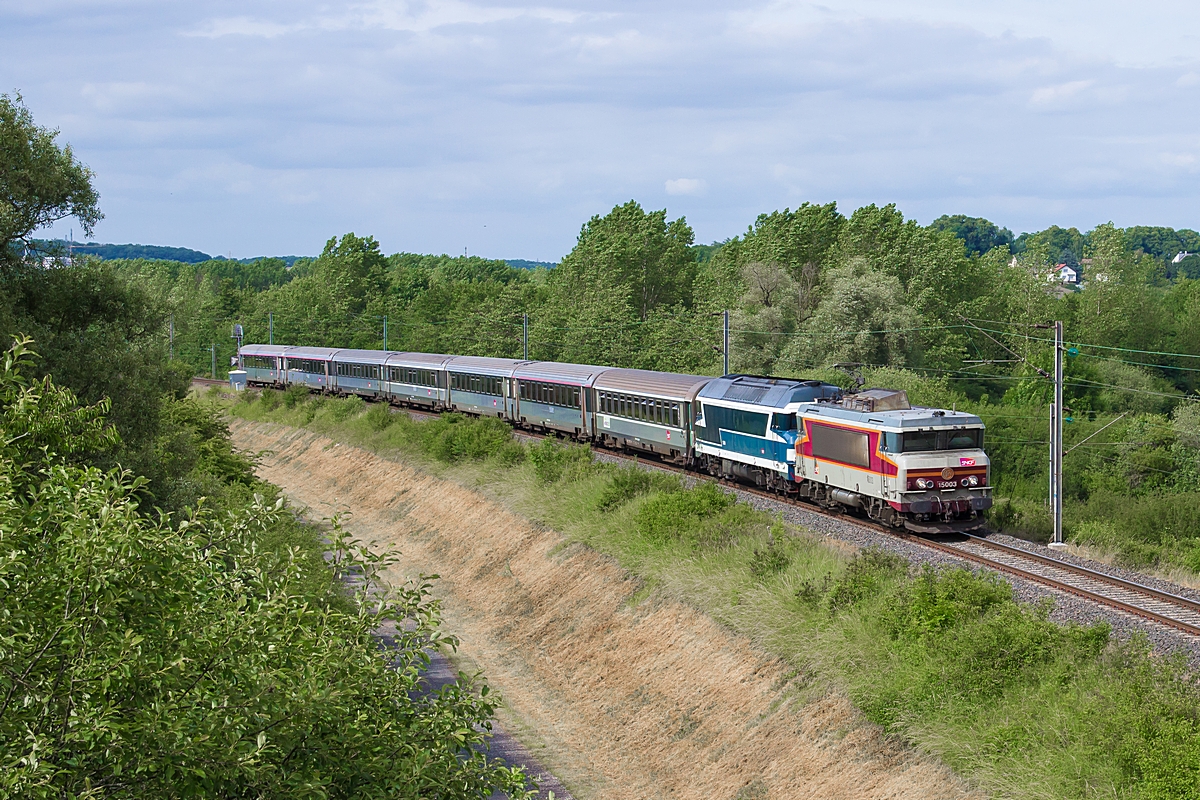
(1180, 256)
(1063, 274)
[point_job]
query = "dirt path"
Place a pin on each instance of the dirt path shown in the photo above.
(644, 701)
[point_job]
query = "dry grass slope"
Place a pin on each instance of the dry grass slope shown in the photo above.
(631, 700)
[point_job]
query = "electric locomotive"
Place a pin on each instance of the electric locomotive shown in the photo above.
(920, 468)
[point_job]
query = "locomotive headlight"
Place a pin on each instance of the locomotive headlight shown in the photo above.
(974, 479)
(924, 484)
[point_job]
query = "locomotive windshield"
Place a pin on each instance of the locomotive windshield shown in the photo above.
(925, 441)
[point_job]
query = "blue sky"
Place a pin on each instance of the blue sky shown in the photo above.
(256, 127)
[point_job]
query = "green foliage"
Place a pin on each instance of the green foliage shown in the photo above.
(626, 483)
(41, 182)
(346, 407)
(865, 575)
(453, 437)
(678, 515)
(269, 399)
(769, 560)
(554, 461)
(380, 416)
(978, 235)
(142, 660)
(296, 393)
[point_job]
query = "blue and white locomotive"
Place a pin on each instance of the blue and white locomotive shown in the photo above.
(921, 468)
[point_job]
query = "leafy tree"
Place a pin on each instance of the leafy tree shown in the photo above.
(862, 318)
(1064, 245)
(40, 182)
(632, 251)
(137, 660)
(799, 241)
(978, 234)
(1161, 243)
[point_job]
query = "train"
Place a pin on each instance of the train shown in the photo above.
(868, 451)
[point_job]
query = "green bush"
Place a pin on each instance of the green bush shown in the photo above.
(675, 515)
(209, 658)
(294, 394)
(554, 461)
(454, 437)
(344, 409)
(865, 576)
(723, 529)
(1147, 724)
(626, 483)
(962, 641)
(270, 399)
(1152, 529)
(380, 416)
(769, 560)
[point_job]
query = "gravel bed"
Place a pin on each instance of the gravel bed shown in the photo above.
(1067, 607)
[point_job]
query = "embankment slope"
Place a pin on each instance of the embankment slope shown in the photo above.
(631, 700)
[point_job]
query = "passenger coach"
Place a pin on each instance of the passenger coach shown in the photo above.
(646, 411)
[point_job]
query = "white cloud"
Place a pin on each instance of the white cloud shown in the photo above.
(678, 186)
(1049, 95)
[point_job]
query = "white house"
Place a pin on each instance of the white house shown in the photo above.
(1180, 256)
(1063, 274)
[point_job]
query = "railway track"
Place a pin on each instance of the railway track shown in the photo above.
(1173, 611)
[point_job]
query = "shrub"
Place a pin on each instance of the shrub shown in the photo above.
(380, 416)
(553, 461)
(453, 437)
(269, 398)
(870, 570)
(626, 483)
(673, 515)
(770, 560)
(344, 409)
(724, 528)
(294, 394)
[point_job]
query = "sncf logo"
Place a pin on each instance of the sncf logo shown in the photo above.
(966, 462)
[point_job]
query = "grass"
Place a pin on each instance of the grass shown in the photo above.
(945, 660)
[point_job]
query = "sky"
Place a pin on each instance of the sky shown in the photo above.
(262, 127)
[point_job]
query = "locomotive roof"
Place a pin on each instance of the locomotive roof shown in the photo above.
(761, 390)
(913, 418)
(582, 374)
(481, 365)
(670, 385)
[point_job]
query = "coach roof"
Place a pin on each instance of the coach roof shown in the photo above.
(670, 385)
(263, 349)
(478, 365)
(418, 360)
(553, 371)
(361, 356)
(317, 353)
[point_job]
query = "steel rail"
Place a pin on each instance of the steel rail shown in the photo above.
(1122, 583)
